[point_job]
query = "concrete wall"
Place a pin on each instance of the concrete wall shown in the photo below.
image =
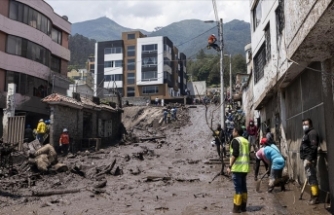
(138, 101)
(197, 88)
(66, 117)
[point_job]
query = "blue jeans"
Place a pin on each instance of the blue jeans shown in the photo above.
(239, 181)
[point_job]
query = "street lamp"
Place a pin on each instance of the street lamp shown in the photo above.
(230, 75)
(222, 100)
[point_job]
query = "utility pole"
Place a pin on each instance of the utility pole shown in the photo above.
(230, 77)
(222, 100)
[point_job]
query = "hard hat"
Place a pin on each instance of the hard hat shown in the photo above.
(263, 141)
(65, 130)
(213, 35)
(213, 143)
(41, 120)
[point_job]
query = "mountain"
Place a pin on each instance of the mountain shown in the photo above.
(101, 29)
(189, 36)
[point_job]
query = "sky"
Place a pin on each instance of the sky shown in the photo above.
(148, 14)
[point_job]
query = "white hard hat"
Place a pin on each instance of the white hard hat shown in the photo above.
(65, 130)
(213, 35)
(213, 143)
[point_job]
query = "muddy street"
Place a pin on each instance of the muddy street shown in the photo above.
(161, 176)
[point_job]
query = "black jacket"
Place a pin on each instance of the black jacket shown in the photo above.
(309, 145)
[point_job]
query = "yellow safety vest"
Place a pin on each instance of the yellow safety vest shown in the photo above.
(241, 163)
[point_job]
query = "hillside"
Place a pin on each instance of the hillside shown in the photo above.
(236, 35)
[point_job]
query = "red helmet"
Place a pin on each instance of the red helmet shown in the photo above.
(263, 141)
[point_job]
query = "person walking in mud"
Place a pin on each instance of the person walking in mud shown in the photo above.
(252, 134)
(240, 167)
(165, 116)
(258, 160)
(64, 142)
(308, 154)
(40, 130)
(219, 140)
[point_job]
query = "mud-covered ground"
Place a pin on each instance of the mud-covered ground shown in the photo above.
(164, 176)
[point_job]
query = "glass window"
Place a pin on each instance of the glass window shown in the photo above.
(150, 89)
(56, 35)
(14, 45)
(25, 14)
(131, 36)
(131, 51)
(13, 10)
(118, 77)
(118, 63)
(108, 64)
(107, 51)
(148, 61)
(149, 76)
(25, 48)
(257, 14)
(149, 48)
(131, 78)
(130, 91)
(131, 64)
(55, 64)
(107, 78)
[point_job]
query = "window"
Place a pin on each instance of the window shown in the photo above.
(130, 91)
(149, 48)
(108, 64)
(131, 51)
(131, 64)
(167, 48)
(116, 77)
(259, 63)
(114, 50)
(280, 18)
(25, 48)
(149, 76)
(55, 64)
(131, 78)
(26, 84)
(150, 89)
(257, 14)
(268, 42)
(56, 35)
(131, 36)
(25, 14)
(91, 68)
(118, 63)
(149, 61)
(167, 61)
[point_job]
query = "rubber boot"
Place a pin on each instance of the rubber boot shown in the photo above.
(282, 185)
(314, 195)
(237, 200)
(244, 202)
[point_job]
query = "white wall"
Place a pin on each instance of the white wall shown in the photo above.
(160, 59)
(197, 88)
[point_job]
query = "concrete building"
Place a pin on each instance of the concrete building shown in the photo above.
(81, 77)
(140, 66)
(292, 70)
(33, 54)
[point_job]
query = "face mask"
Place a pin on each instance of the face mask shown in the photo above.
(251, 123)
(305, 127)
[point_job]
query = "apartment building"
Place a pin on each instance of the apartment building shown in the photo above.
(291, 77)
(34, 53)
(150, 66)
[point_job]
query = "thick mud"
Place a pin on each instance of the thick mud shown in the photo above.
(164, 176)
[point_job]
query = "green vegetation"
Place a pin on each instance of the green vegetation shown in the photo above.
(81, 48)
(206, 67)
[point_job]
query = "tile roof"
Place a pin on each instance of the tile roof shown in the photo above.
(55, 97)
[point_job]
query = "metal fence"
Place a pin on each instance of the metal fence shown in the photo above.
(15, 130)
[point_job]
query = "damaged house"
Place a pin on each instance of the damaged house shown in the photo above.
(86, 121)
(291, 69)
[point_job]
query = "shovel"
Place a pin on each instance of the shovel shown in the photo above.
(303, 189)
(258, 183)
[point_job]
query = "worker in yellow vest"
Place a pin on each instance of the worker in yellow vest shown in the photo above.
(239, 166)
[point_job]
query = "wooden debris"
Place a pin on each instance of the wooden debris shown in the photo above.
(54, 192)
(152, 138)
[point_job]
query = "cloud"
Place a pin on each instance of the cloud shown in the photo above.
(148, 14)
